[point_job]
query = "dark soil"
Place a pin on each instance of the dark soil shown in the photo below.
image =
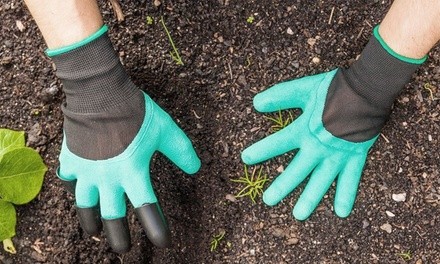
(227, 61)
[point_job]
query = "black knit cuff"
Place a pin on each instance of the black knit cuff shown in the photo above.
(94, 79)
(378, 76)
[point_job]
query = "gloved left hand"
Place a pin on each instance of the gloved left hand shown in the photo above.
(101, 186)
(111, 130)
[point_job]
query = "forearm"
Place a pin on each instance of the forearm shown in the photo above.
(63, 23)
(412, 27)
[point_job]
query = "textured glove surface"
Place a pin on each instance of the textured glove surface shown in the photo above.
(343, 113)
(111, 130)
(321, 155)
(106, 182)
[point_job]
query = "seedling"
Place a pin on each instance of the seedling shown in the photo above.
(430, 87)
(250, 19)
(254, 183)
(405, 255)
(215, 241)
(21, 176)
(150, 20)
(248, 61)
(279, 122)
(174, 53)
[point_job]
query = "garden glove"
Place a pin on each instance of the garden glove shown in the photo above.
(343, 112)
(111, 130)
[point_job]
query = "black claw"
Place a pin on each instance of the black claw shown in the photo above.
(118, 234)
(90, 219)
(70, 186)
(154, 224)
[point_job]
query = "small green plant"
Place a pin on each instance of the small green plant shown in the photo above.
(279, 122)
(21, 176)
(174, 53)
(430, 87)
(254, 183)
(248, 61)
(150, 20)
(215, 241)
(405, 255)
(250, 19)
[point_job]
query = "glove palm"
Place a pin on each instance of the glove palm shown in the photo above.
(321, 155)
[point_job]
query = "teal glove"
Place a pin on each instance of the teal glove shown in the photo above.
(343, 113)
(111, 130)
(320, 153)
(106, 182)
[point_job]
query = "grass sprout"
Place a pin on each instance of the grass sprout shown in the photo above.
(279, 122)
(430, 87)
(248, 61)
(250, 19)
(215, 241)
(253, 183)
(175, 52)
(150, 20)
(405, 255)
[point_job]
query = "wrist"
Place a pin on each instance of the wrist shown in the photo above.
(398, 55)
(411, 27)
(359, 98)
(380, 73)
(58, 51)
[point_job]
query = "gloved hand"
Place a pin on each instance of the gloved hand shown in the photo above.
(343, 112)
(320, 153)
(111, 130)
(101, 185)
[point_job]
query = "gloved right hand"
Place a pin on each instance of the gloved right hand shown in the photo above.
(343, 112)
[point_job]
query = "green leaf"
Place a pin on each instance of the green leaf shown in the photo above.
(10, 139)
(21, 175)
(7, 220)
(149, 20)
(8, 246)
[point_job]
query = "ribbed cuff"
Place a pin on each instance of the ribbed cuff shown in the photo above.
(58, 51)
(93, 77)
(395, 54)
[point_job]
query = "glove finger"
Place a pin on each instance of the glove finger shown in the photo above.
(141, 194)
(320, 181)
(86, 194)
(272, 146)
(112, 200)
(347, 185)
(118, 234)
(87, 205)
(113, 211)
(68, 182)
(154, 224)
(65, 176)
(179, 149)
(302, 164)
(290, 94)
(139, 189)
